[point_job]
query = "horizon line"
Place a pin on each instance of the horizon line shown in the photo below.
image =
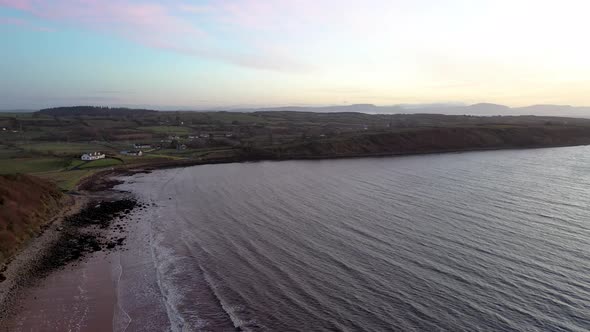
(250, 107)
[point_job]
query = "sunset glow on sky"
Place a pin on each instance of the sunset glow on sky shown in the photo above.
(197, 54)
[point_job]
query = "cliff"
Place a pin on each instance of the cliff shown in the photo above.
(26, 204)
(428, 140)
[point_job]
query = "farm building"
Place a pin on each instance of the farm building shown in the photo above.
(136, 153)
(142, 146)
(92, 156)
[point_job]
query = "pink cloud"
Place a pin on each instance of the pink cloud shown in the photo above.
(161, 26)
(290, 16)
(17, 4)
(118, 15)
(22, 23)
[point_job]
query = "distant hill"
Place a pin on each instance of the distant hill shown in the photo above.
(487, 107)
(565, 110)
(481, 109)
(94, 111)
(357, 108)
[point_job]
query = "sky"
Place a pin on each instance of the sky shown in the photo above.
(182, 54)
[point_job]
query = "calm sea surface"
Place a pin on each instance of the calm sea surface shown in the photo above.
(483, 241)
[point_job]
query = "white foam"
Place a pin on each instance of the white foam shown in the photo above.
(117, 324)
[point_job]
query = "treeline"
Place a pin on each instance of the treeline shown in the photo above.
(94, 111)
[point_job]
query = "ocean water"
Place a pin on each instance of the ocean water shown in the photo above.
(480, 241)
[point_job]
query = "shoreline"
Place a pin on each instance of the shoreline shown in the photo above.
(67, 266)
(100, 185)
(102, 180)
(65, 281)
(17, 268)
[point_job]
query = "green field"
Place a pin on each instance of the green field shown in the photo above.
(8, 152)
(101, 163)
(75, 163)
(66, 148)
(172, 130)
(31, 165)
(229, 117)
(67, 180)
(17, 114)
(161, 154)
(50, 143)
(57, 169)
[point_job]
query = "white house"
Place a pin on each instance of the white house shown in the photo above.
(92, 156)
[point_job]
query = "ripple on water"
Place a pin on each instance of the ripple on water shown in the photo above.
(483, 241)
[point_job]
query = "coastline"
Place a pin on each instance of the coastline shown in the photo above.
(105, 179)
(45, 301)
(62, 280)
(17, 269)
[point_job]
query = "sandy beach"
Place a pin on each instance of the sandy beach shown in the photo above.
(52, 287)
(76, 298)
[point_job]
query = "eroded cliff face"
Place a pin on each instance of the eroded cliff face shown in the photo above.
(26, 204)
(426, 140)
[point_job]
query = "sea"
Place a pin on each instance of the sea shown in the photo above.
(477, 241)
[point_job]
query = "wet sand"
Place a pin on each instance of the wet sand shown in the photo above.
(50, 289)
(77, 298)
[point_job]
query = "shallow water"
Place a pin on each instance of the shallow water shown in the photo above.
(482, 241)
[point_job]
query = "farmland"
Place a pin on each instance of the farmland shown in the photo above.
(31, 165)
(170, 130)
(49, 143)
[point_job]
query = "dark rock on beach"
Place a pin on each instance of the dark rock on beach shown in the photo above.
(82, 234)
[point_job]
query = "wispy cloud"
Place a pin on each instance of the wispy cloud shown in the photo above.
(153, 25)
(119, 16)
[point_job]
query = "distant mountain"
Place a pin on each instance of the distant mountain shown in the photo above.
(545, 108)
(482, 109)
(358, 108)
(93, 111)
(552, 110)
(488, 108)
